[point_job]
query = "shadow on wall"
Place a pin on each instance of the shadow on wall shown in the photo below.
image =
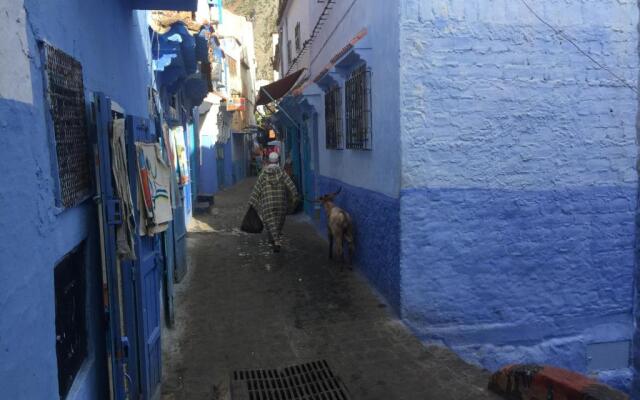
(376, 219)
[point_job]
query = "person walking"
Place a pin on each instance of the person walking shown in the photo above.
(270, 197)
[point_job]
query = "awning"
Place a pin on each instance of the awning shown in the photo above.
(278, 89)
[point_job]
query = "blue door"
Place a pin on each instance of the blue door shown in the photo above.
(179, 221)
(117, 349)
(220, 165)
(308, 183)
(180, 238)
(168, 275)
(293, 149)
(168, 247)
(145, 275)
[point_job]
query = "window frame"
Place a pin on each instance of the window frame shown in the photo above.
(77, 255)
(62, 155)
(358, 109)
(334, 134)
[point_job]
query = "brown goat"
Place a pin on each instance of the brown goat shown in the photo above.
(340, 227)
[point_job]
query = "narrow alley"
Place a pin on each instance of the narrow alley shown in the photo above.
(243, 307)
(482, 157)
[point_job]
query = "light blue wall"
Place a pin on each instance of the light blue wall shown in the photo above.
(519, 185)
(370, 180)
(208, 177)
(377, 170)
(239, 169)
(111, 42)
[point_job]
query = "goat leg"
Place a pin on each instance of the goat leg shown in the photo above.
(339, 250)
(330, 246)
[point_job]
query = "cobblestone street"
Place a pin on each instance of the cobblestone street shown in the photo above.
(241, 307)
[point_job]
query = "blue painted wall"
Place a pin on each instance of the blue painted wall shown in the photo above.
(377, 170)
(228, 164)
(111, 42)
(377, 232)
(370, 179)
(239, 169)
(208, 177)
(519, 184)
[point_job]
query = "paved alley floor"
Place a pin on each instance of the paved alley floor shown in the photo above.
(242, 307)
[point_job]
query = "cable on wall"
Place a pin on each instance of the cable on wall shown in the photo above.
(561, 33)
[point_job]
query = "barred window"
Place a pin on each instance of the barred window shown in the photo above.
(333, 117)
(358, 109)
(71, 332)
(297, 37)
(65, 96)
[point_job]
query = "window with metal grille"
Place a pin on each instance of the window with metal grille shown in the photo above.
(358, 109)
(65, 95)
(297, 37)
(333, 117)
(288, 52)
(71, 332)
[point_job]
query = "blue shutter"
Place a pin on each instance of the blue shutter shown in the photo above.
(145, 274)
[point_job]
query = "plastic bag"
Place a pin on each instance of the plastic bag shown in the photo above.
(251, 223)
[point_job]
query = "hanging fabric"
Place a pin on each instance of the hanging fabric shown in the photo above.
(125, 232)
(170, 158)
(181, 155)
(154, 176)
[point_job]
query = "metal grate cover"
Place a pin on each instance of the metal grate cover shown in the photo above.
(65, 94)
(310, 381)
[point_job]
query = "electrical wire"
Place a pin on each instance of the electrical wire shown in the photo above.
(572, 41)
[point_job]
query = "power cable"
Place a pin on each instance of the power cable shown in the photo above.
(570, 40)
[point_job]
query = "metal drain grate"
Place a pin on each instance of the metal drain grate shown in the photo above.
(310, 381)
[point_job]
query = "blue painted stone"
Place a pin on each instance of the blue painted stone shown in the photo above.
(112, 43)
(377, 232)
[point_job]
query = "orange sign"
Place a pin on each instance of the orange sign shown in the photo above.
(237, 104)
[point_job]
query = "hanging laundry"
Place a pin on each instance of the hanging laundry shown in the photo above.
(125, 232)
(154, 176)
(181, 155)
(170, 157)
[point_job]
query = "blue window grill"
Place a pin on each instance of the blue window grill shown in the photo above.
(358, 108)
(333, 117)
